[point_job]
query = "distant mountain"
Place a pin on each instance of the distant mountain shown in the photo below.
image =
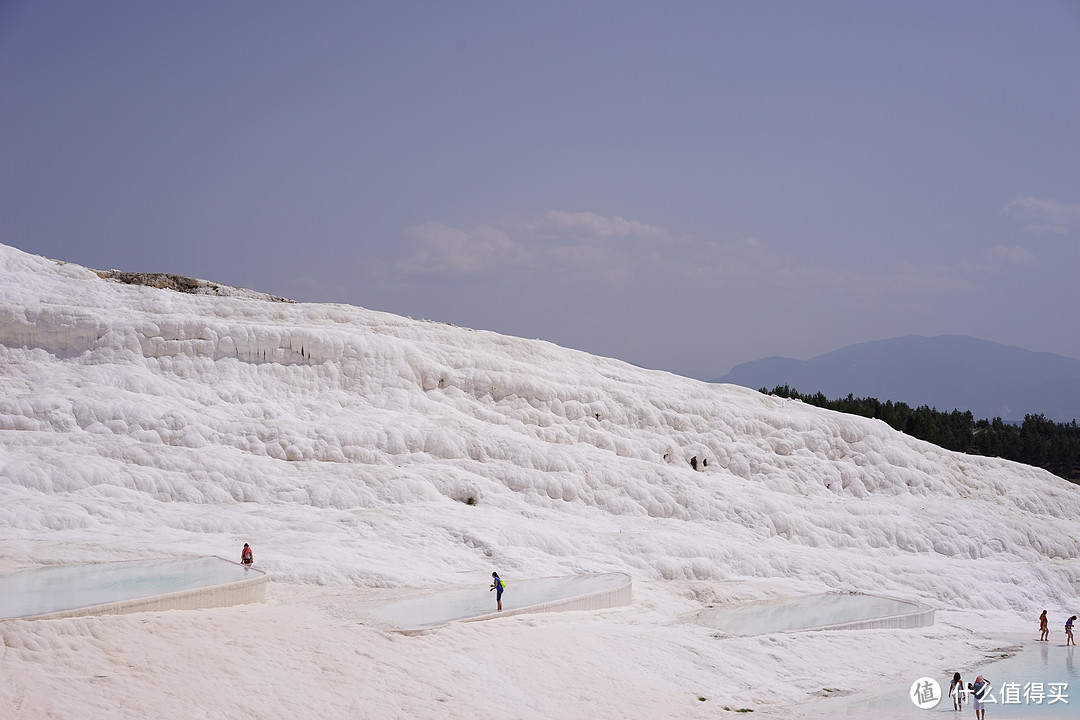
(946, 372)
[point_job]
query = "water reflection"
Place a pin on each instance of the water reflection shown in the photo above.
(1037, 683)
(801, 613)
(448, 606)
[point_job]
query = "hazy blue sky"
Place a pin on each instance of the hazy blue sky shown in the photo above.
(682, 185)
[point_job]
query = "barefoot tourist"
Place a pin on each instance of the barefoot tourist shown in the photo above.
(498, 586)
(980, 690)
(956, 692)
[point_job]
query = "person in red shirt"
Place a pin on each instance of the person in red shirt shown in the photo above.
(246, 556)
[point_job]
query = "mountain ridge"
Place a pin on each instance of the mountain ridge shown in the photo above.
(944, 371)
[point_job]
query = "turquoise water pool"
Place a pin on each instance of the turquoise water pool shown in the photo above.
(58, 588)
(1015, 683)
(466, 603)
(802, 613)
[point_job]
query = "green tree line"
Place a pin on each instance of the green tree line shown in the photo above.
(1037, 441)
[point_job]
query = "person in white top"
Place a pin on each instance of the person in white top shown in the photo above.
(957, 692)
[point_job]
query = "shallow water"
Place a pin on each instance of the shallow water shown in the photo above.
(56, 588)
(801, 613)
(1013, 680)
(444, 607)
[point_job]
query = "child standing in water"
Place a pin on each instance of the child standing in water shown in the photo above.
(1044, 627)
(498, 586)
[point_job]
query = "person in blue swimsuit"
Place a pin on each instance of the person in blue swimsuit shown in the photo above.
(498, 586)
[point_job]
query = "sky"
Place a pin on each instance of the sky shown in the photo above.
(684, 186)
(382, 468)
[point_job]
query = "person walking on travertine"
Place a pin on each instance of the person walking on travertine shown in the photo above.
(498, 586)
(246, 556)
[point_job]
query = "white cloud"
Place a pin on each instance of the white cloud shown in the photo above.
(590, 225)
(1044, 217)
(1012, 256)
(557, 242)
(445, 249)
(615, 251)
(747, 259)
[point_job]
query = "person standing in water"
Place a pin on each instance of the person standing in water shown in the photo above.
(979, 692)
(1068, 631)
(246, 556)
(498, 586)
(956, 692)
(1044, 627)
